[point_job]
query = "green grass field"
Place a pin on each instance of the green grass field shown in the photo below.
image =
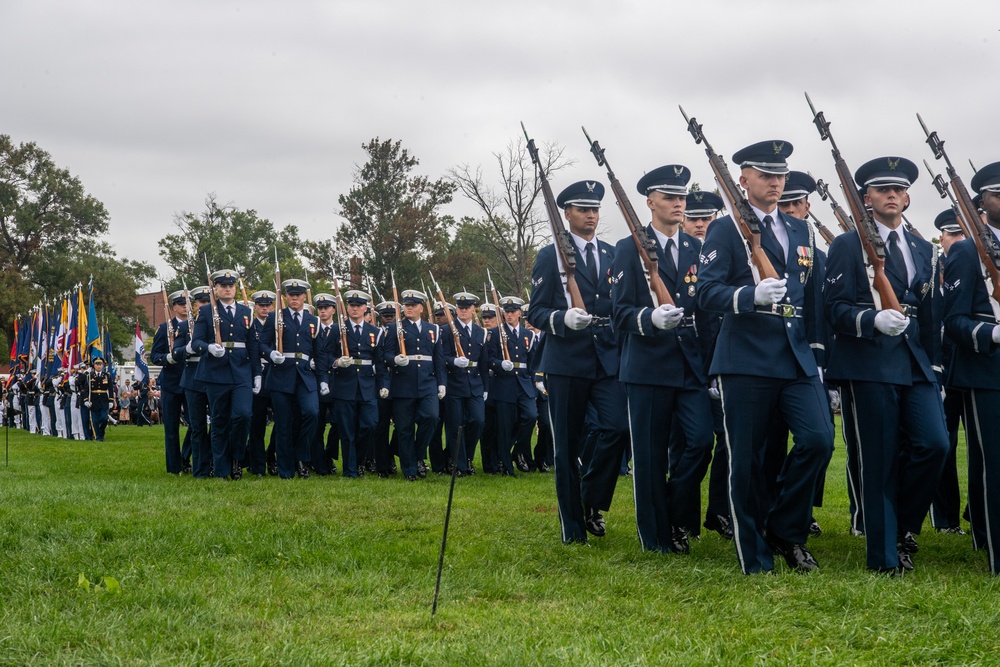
(331, 571)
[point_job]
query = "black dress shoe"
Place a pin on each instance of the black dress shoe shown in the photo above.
(814, 529)
(237, 470)
(411, 478)
(508, 473)
(384, 474)
(954, 530)
(542, 467)
(421, 469)
(522, 465)
(797, 556)
(393, 469)
(302, 471)
(679, 540)
(594, 521)
(908, 542)
(719, 524)
(471, 470)
(187, 470)
(905, 561)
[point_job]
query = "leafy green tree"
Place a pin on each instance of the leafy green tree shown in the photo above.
(51, 239)
(391, 217)
(230, 238)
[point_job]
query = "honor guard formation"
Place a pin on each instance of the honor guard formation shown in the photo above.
(693, 347)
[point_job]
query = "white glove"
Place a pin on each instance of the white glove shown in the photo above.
(277, 357)
(769, 291)
(834, 396)
(72, 383)
(667, 317)
(87, 403)
(312, 364)
(256, 385)
(713, 390)
(189, 348)
(324, 389)
(170, 358)
(216, 350)
(442, 390)
(462, 362)
(891, 322)
(507, 365)
(577, 318)
(944, 394)
(819, 369)
(345, 362)
(383, 393)
(486, 395)
(996, 335)
(400, 360)
(540, 386)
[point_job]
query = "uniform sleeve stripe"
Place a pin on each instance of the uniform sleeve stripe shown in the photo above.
(975, 341)
(638, 321)
(736, 299)
(857, 322)
(552, 322)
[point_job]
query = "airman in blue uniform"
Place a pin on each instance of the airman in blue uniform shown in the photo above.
(297, 377)
(230, 371)
(260, 459)
(512, 384)
(580, 363)
(358, 375)
(888, 364)
(417, 380)
(971, 322)
(765, 363)
(169, 381)
(195, 397)
(662, 369)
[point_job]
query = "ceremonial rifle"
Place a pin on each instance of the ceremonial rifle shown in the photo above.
(843, 219)
(501, 321)
(743, 216)
(309, 291)
(167, 318)
(345, 351)
(823, 230)
(871, 240)
(986, 246)
(430, 309)
(447, 316)
(211, 299)
(187, 303)
(986, 242)
(279, 320)
(372, 288)
(910, 228)
(643, 243)
(565, 250)
(243, 289)
(399, 317)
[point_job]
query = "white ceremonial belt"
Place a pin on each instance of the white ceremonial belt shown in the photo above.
(419, 357)
(362, 362)
(232, 345)
(520, 364)
(297, 355)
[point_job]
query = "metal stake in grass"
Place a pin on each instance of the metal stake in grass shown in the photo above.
(447, 514)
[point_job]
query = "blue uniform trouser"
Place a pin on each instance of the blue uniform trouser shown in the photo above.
(515, 422)
(983, 440)
(415, 420)
(468, 412)
(256, 458)
(99, 415)
(902, 445)
(946, 509)
(302, 405)
(196, 404)
(749, 404)
(170, 415)
(661, 504)
(88, 426)
(325, 447)
(355, 423)
(568, 401)
(230, 407)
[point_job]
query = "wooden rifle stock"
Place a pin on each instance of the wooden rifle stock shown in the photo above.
(449, 318)
(501, 320)
(871, 241)
(565, 250)
(643, 243)
(167, 318)
(342, 318)
(215, 304)
(399, 317)
(744, 217)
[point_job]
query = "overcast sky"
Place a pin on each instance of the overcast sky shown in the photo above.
(155, 104)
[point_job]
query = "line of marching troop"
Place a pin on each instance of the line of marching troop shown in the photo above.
(434, 383)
